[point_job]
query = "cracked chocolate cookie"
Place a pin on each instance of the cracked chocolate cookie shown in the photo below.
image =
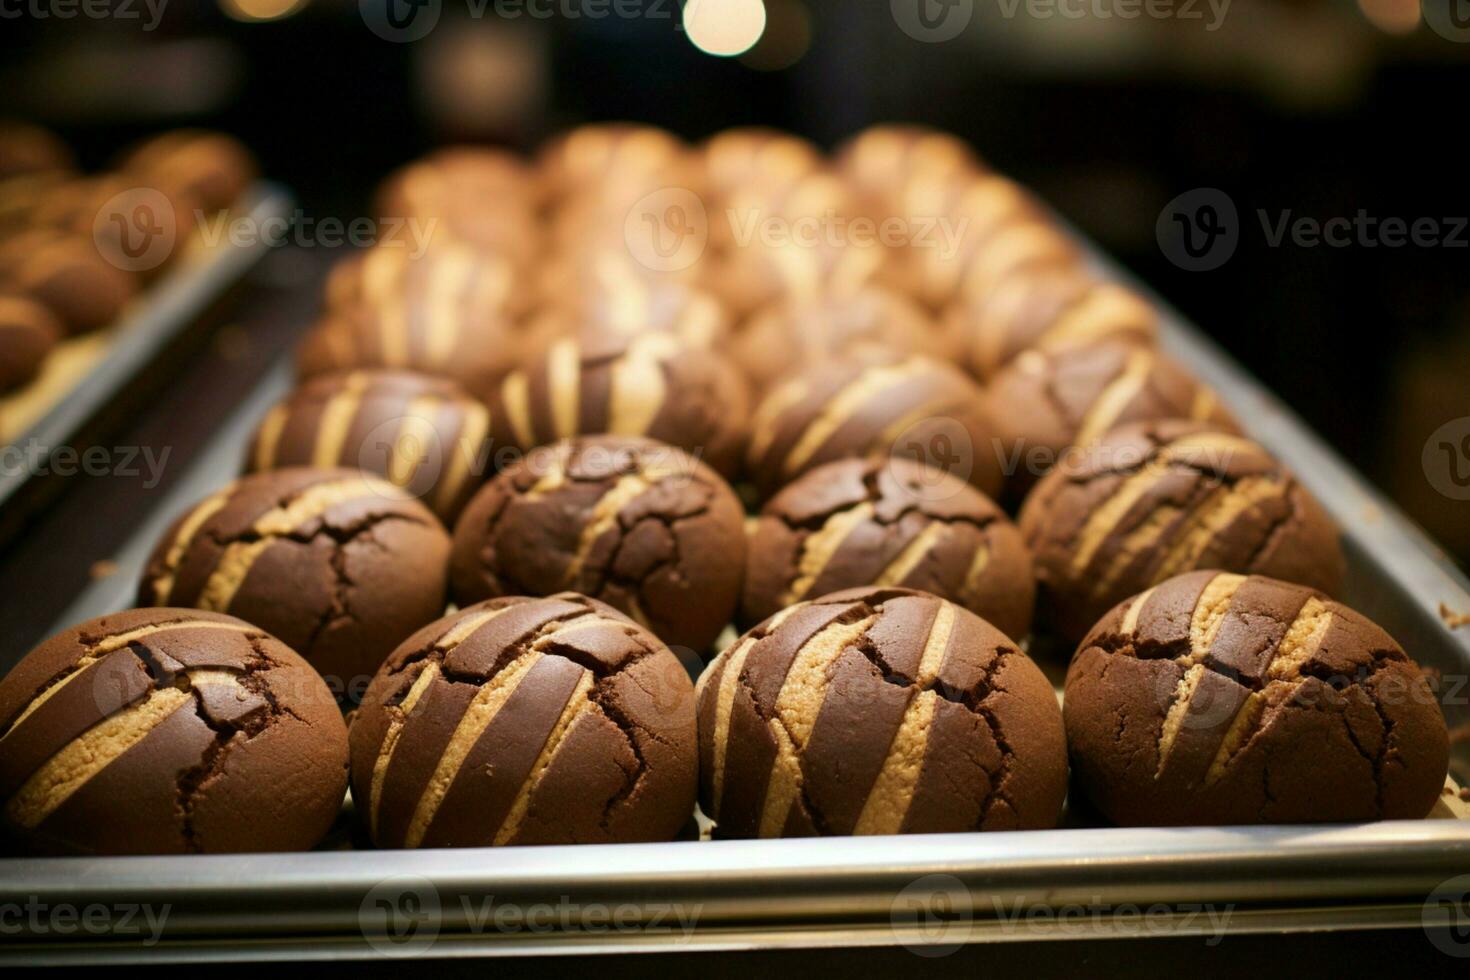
(1047, 309)
(649, 385)
(526, 721)
(1045, 402)
(890, 522)
(878, 711)
(28, 332)
(420, 433)
(1153, 500)
(799, 332)
(1223, 699)
(848, 408)
(444, 313)
(341, 566)
(637, 524)
(165, 731)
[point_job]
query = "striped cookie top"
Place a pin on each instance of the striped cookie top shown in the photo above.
(521, 721)
(877, 711)
(421, 433)
(1154, 500)
(1244, 699)
(888, 522)
(130, 733)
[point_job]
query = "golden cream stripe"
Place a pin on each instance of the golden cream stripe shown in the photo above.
(1114, 399)
(461, 630)
(416, 433)
(398, 715)
(230, 573)
(1301, 641)
(1209, 613)
(605, 512)
(724, 706)
(797, 706)
(1204, 403)
(483, 708)
(269, 438)
(936, 644)
(1105, 518)
(314, 501)
(1142, 537)
(163, 585)
(336, 421)
(465, 456)
(908, 559)
(564, 382)
(768, 415)
(1103, 309)
(979, 562)
(1242, 725)
(888, 802)
(1005, 251)
(858, 393)
(637, 388)
(578, 704)
(818, 548)
(1208, 521)
(84, 757)
(1178, 711)
(1135, 609)
(515, 393)
(448, 278)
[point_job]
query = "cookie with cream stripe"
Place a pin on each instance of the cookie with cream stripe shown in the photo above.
(1046, 309)
(635, 523)
(418, 432)
(888, 522)
(1153, 500)
(1215, 698)
(340, 565)
(881, 405)
(526, 721)
(650, 384)
(1045, 402)
(878, 711)
(168, 731)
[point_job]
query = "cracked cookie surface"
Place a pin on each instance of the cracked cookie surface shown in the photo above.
(877, 711)
(635, 523)
(889, 522)
(1215, 698)
(1154, 500)
(526, 721)
(340, 566)
(164, 731)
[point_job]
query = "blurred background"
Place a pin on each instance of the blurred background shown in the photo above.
(1109, 109)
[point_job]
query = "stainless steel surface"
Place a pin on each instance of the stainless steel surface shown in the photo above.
(777, 894)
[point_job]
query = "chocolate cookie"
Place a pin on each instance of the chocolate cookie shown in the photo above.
(526, 721)
(1045, 402)
(168, 731)
(855, 407)
(638, 524)
(1150, 501)
(432, 274)
(888, 522)
(420, 433)
(66, 274)
(1047, 309)
(753, 156)
(882, 160)
(444, 313)
(1221, 699)
(210, 170)
(339, 565)
(800, 332)
(28, 332)
(878, 711)
(650, 385)
(594, 157)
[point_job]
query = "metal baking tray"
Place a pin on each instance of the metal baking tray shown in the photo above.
(927, 893)
(86, 375)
